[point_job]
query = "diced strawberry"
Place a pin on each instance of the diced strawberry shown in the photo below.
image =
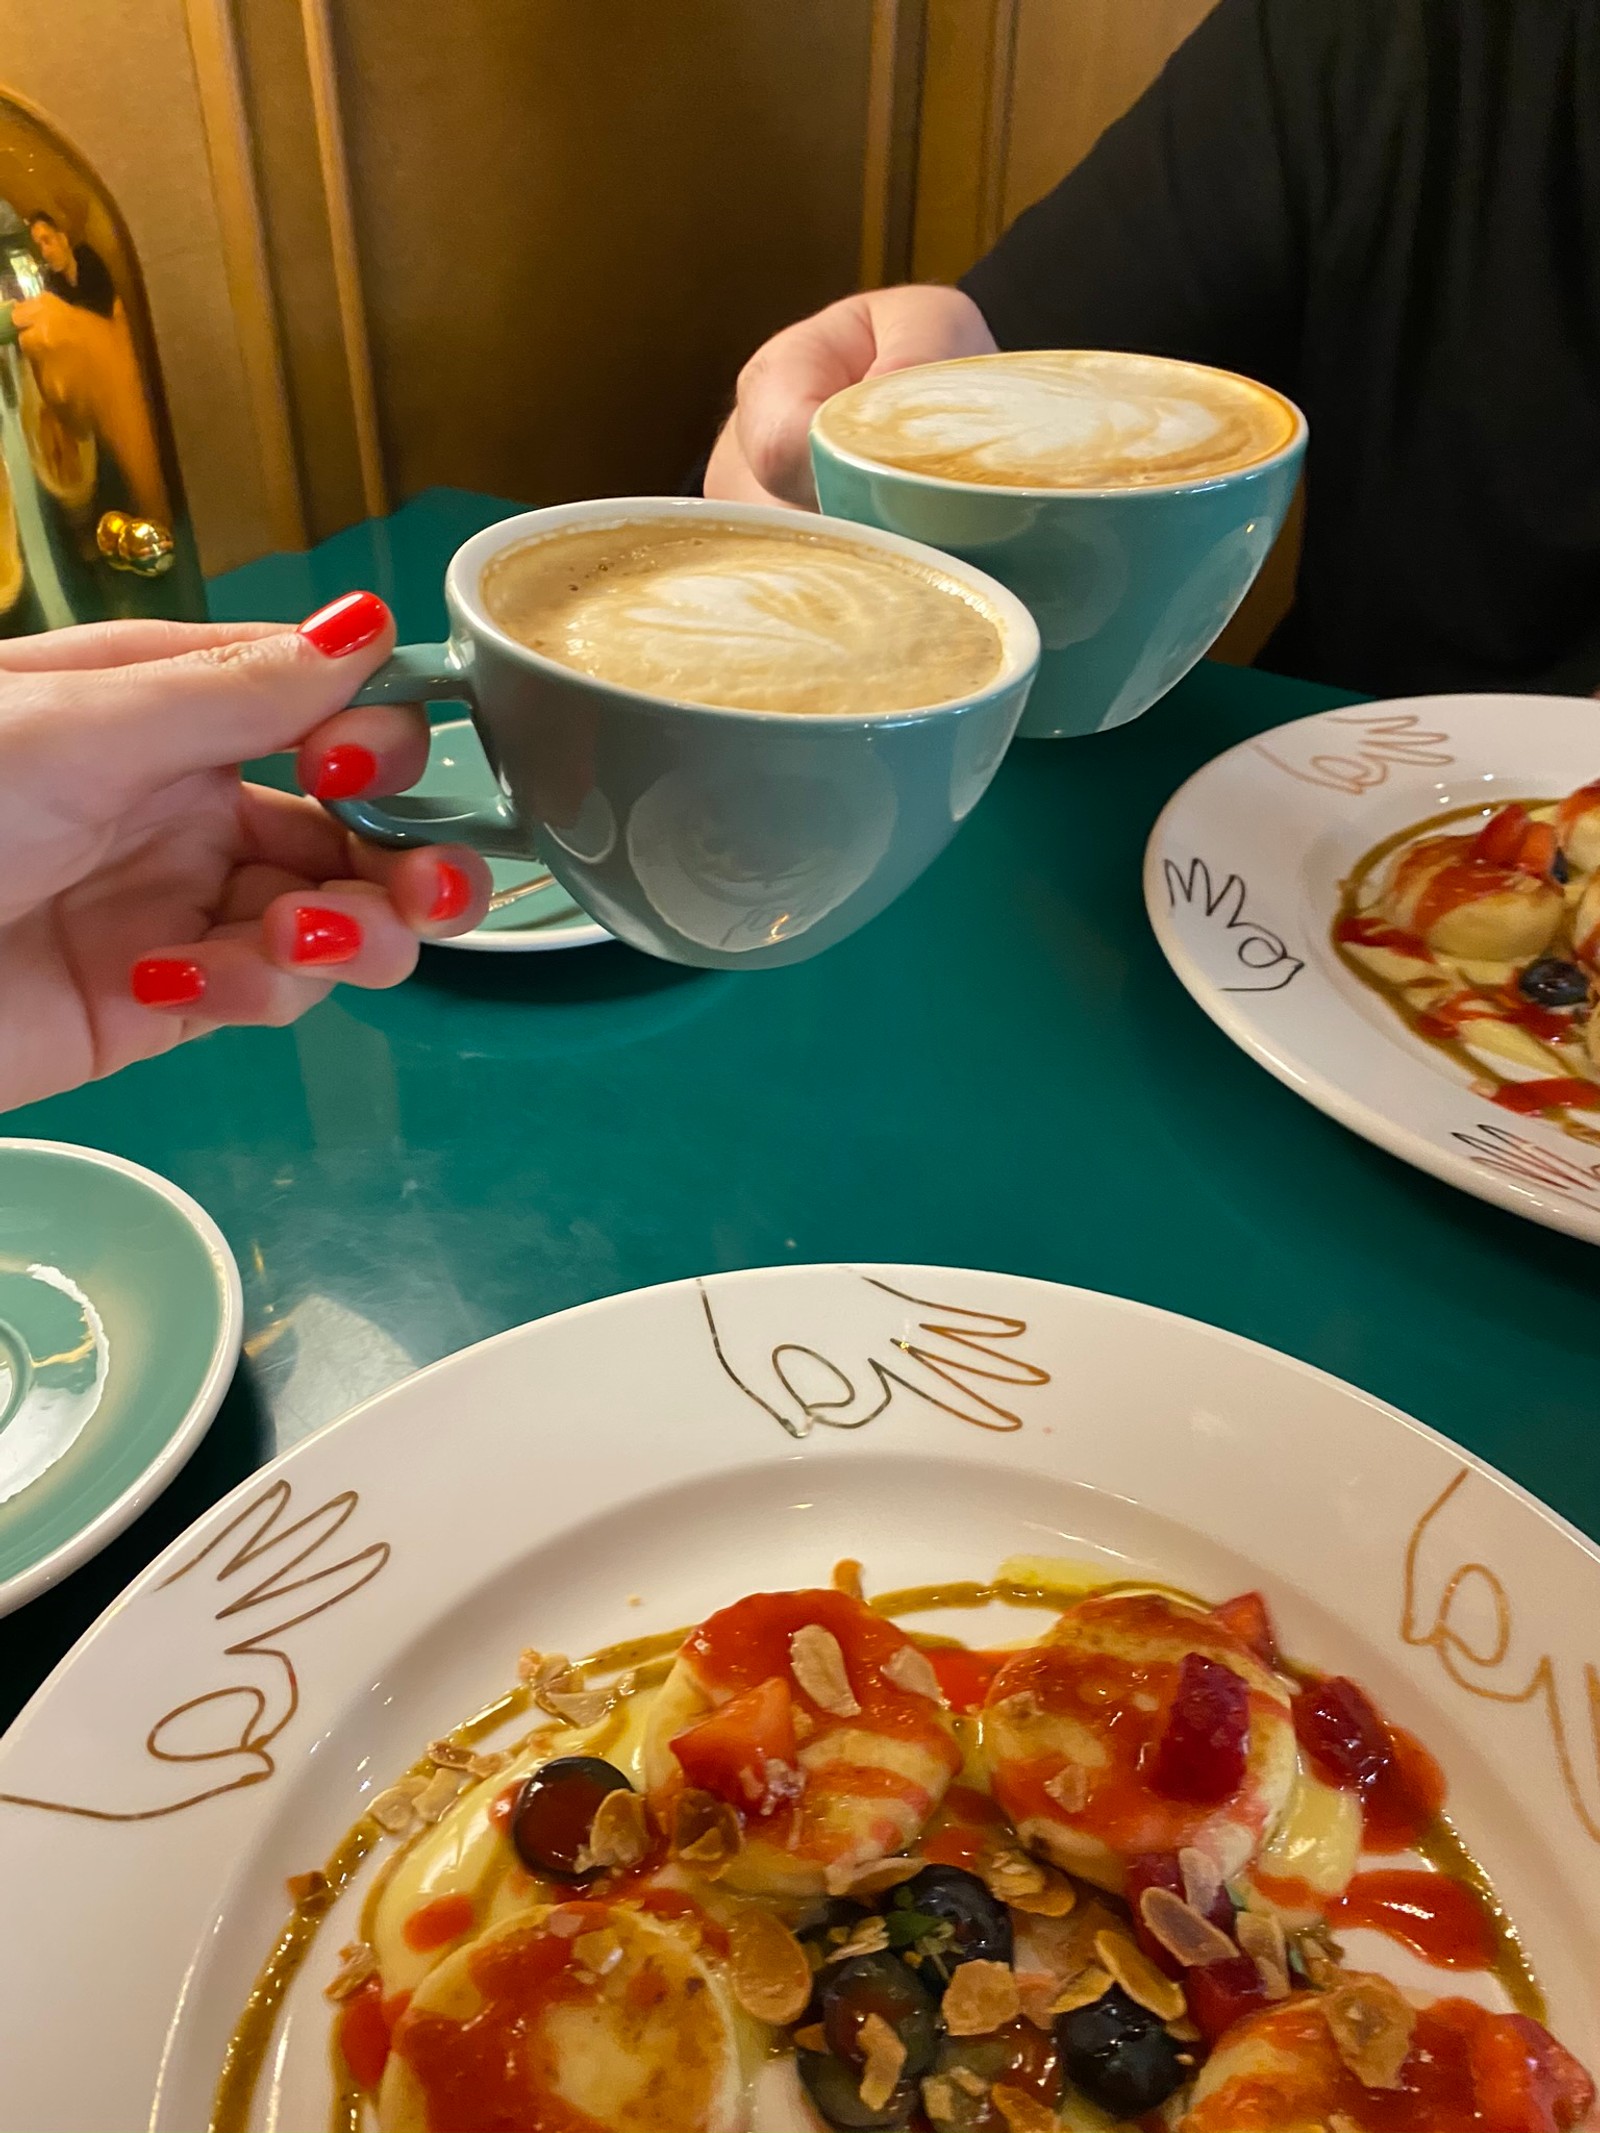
(1524, 2081)
(1160, 1870)
(1537, 852)
(1222, 1994)
(732, 1752)
(1204, 1746)
(364, 2035)
(1249, 1621)
(1342, 1734)
(1500, 840)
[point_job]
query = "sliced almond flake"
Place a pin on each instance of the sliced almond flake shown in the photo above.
(818, 1664)
(804, 1724)
(912, 1670)
(1087, 1987)
(1069, 1788)
(451, 1754)
(536, 1670)
(969, 2081)
(813, 2038)
(939, 2097)
(1022, 2113)
(1202, 1882)
(705, 1833)
(1184, 2032)
(1188, 1938)
(304, 1888)
(1142, 1700)
(1007, 1872)
(396, 1808)
(1027, 1884)
(1320, 1957)
(1021, 1709)
(1371, 2022)
(440, 1792)
(619, 1835)
(885, 2058)
(357, 1962)
(566, 1922)
(980, 1998)
(1139, 1978)
(767, 1967)
(599, 1951)
(1263, 1939)
(847, 1576)
(871, 1937)
(573, 1706)
(853, 1878)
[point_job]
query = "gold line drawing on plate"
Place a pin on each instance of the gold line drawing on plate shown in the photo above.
(1514, 1155)
(1387, 738)
(259, 1706)
(1472, 1650)
(800, 1386)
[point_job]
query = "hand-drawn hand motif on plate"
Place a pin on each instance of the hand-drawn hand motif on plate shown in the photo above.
(864, 1342)
(1218, 918)
(226, 1613)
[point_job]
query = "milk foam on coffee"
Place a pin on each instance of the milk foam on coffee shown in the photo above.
(1061, 420)
(745, 618)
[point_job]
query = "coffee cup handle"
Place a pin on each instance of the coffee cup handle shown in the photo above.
(418, 673)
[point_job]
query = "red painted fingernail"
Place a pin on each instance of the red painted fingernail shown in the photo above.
(346, 624)
(166, 981)
(454, 894)
(344, 771)
(324, 936)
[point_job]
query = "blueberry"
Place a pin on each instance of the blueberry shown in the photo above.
(1552, 983)
(977, 1929)
(879, 1985)
(835, 2088)
(555, 1810)
(1119, 2055)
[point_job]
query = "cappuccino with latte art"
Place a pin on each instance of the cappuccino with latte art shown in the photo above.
(746, 618)
(1064, 419)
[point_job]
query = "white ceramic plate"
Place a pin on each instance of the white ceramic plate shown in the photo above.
(226, 1721)
(1242, 880)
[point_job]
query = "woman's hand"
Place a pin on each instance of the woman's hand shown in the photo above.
(763, 455)
(146, 894)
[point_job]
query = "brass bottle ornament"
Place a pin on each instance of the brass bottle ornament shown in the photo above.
(92, 518)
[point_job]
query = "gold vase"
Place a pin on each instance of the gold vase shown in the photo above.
(92, 517)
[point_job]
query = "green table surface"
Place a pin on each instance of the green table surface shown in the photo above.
(999, 1072)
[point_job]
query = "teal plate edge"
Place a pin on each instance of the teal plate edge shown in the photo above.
(62, 1555)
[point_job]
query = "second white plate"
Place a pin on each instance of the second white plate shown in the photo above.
(1242, 880)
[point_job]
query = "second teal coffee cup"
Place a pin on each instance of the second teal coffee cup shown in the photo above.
(723, 838)
(1130, 585)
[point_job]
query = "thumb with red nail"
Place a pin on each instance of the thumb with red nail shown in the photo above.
(148, 893)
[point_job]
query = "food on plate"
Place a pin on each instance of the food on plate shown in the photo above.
(1487, 941)
(805, 1866)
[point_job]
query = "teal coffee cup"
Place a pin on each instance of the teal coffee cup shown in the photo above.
(709, 834)
(1129, 501)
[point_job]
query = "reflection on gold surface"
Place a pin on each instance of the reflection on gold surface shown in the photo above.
(1470, 1626)
(94, 511)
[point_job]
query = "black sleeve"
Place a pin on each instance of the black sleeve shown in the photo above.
(1187, 229)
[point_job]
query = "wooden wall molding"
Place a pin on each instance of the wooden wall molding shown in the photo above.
(227, 130)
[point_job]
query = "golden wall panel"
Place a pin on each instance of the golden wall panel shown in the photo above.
(575, 222)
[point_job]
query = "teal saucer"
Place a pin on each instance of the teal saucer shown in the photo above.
(120, 1319)
(540, 918)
